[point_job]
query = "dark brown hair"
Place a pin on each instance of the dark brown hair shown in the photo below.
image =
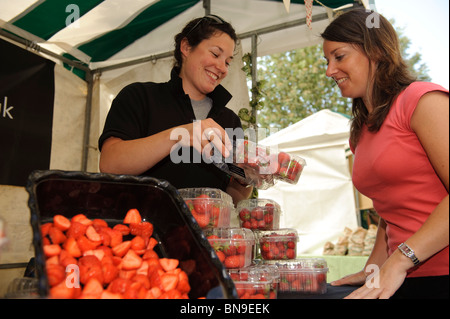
(376, 37)
(201, 29)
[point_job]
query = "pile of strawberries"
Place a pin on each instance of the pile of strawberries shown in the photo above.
(260, 217)
(232, 252)
(278, 246)
(88, 259)
(205, 210)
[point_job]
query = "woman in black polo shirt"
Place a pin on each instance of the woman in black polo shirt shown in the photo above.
(164, 129)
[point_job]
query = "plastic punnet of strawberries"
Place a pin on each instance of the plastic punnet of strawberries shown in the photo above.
(88, 259)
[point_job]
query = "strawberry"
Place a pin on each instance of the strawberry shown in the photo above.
(52, 250)
(138, 245)
(76, 229)
(62, 291)
(115, 235)
(81, 218)
(110, 272)
(168, 264)
(124, 229)
(169, 281)
(132, 217)
(92, 234)
(86, 244)
(202, 219)
(232, 261)
(93, 289)
(61, 222)
(202, 204)
(220, 255)
(99, 223)
(56, 235)
(122, 248)
(72, 248)
(119, 285)
(244, 214)
(143, 229)
(55, 274)
(45, 228)
(131, 261)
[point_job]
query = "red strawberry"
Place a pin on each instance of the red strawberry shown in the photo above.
(202, 204)
(81, 218)
(132, 217)
(72, 248)
(86, 244)
(110, 272)
(55, 273)
(119, 285)
(168, 264)
(76, 229)
(124, 229)
(52, 250)
(131, 261)
(244, 214)
(61, 222)
(122, 248)
(92, 234)
(93, 289)
(220, 255)
(144, 229)
(56, 235)
(232, 261)
(169, 281)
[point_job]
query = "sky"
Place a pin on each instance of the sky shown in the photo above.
(426, 24)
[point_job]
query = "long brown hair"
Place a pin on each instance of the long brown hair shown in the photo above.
(376, 37)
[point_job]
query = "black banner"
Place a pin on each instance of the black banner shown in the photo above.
(26, 113)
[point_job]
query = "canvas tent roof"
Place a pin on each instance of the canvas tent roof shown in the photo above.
(101, 33)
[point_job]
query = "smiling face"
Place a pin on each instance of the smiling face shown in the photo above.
(350, 68)
(206, 65)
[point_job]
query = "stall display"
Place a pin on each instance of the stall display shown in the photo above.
(106, 198)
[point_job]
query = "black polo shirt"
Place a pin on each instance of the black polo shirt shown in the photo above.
(144, 109)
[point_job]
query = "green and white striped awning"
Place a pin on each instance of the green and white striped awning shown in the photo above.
(101, 33)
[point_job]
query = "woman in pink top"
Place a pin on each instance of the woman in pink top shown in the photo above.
(400, 138)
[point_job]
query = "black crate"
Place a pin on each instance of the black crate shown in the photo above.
(109, 197)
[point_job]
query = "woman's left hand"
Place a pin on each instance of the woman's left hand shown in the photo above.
(384, 282)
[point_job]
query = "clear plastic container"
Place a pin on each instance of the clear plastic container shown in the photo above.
(303, 275)
(205, 191)
(262, 214)
(210, 212)
(256, 281)
(261, 166)
(290, 167)
(233, 246)
(277, 244)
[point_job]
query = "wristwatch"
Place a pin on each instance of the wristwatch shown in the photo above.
(408, 252)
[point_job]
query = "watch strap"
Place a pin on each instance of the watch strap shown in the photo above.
(408, 252)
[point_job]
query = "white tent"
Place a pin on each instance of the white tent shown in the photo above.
(322, 203)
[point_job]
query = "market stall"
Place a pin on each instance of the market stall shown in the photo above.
(89, 64)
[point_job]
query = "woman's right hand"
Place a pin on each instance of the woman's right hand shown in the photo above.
(201, 134)
(357, 279)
